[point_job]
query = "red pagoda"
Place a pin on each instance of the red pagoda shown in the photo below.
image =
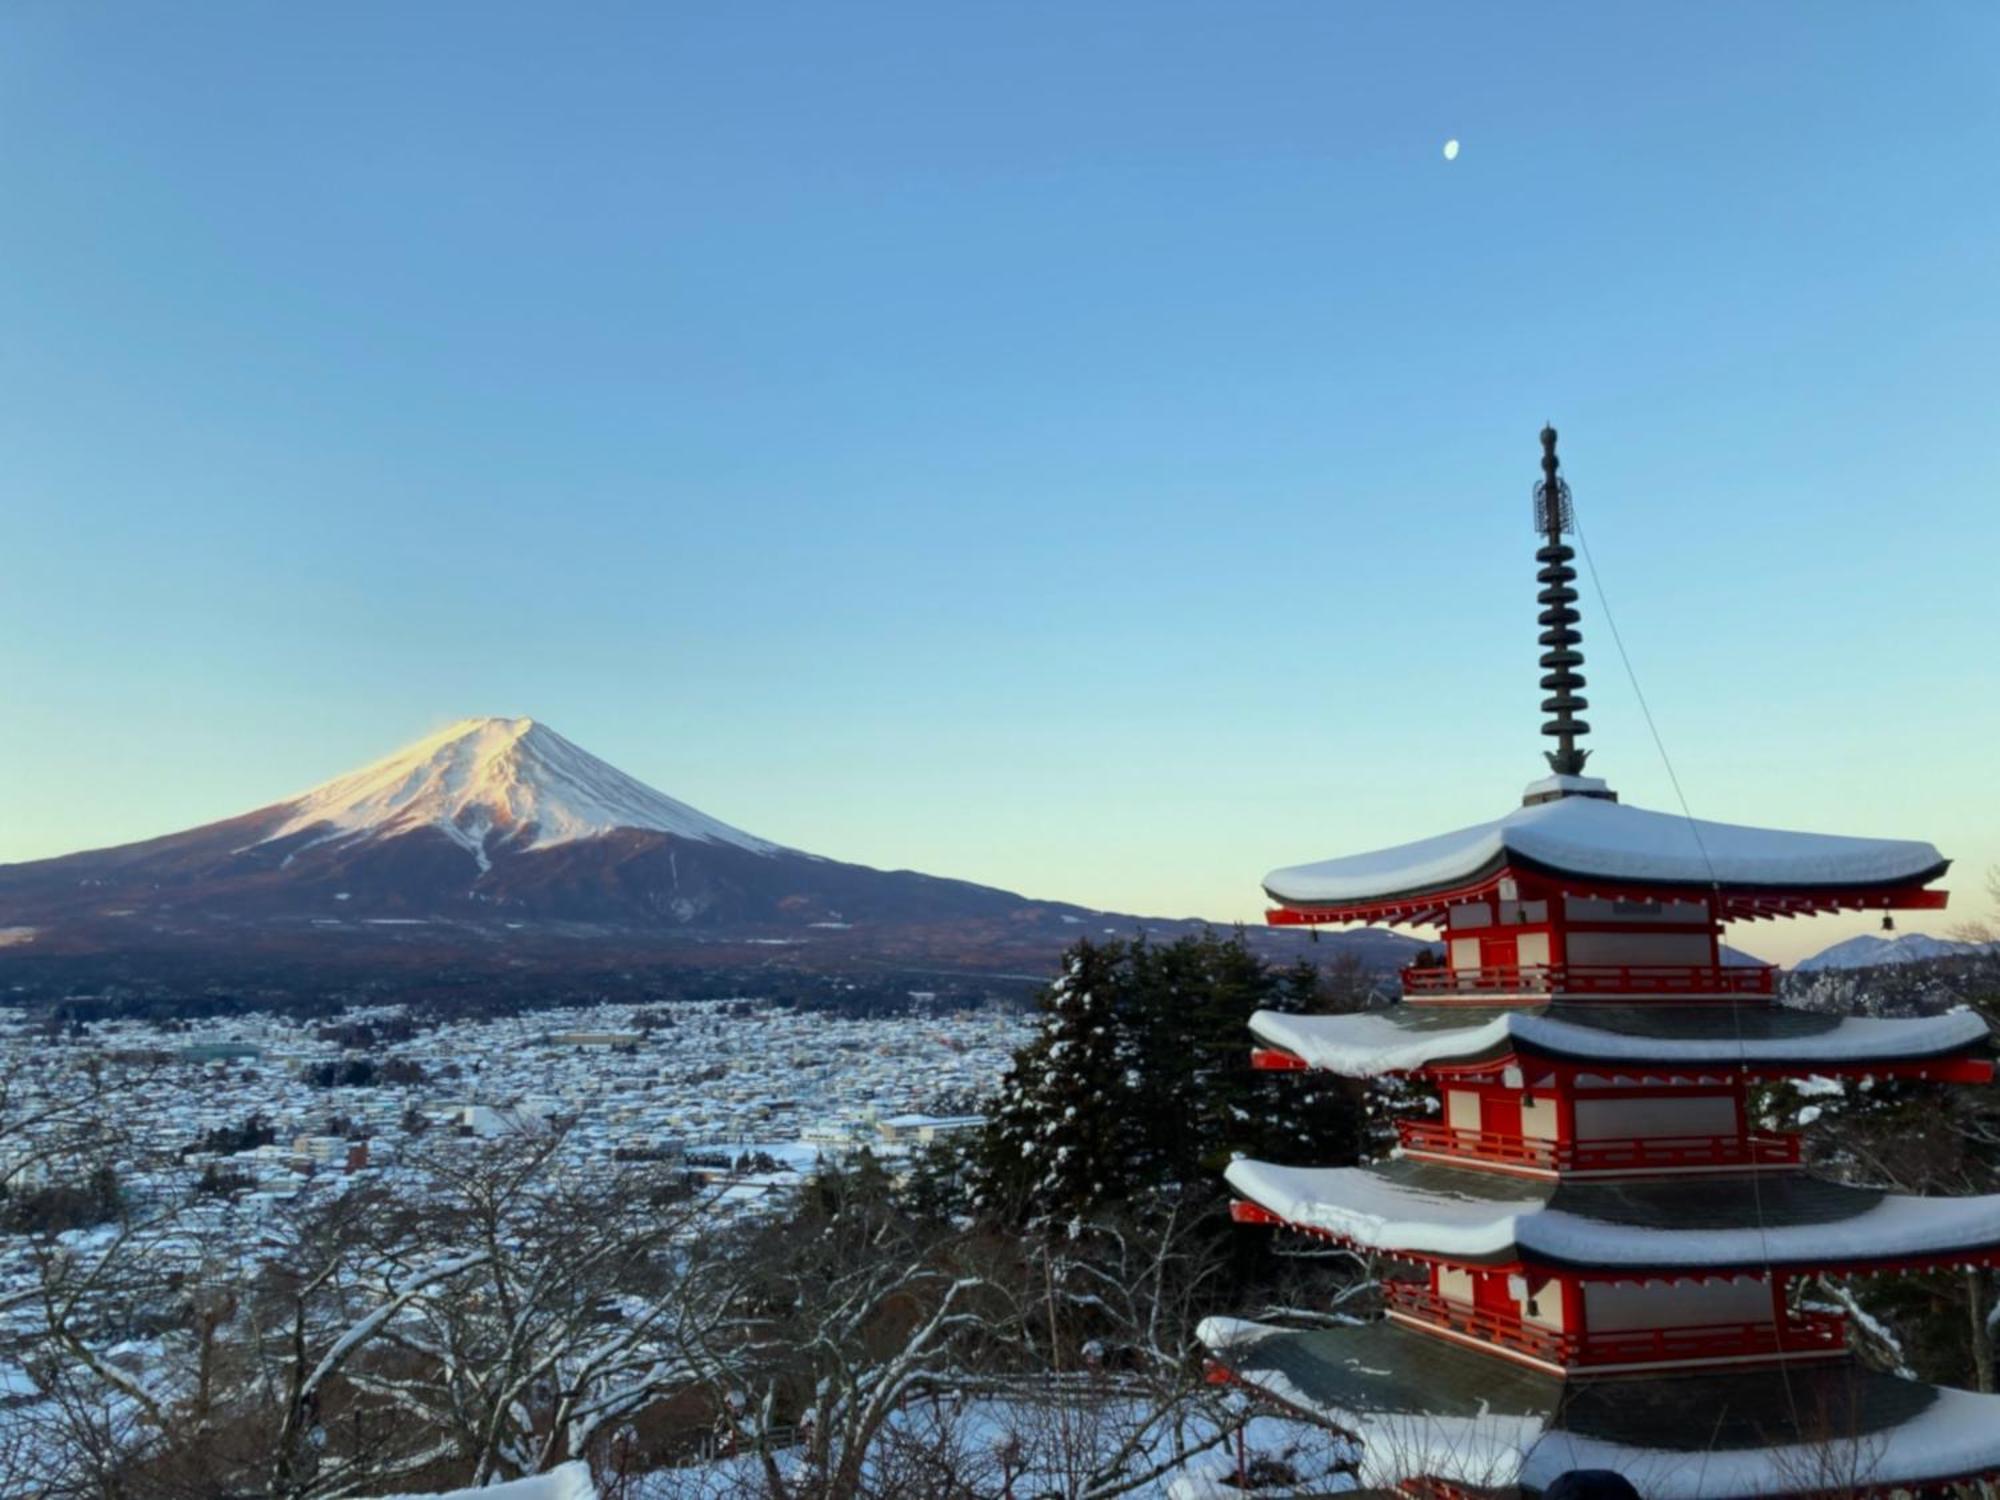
(1598, 1249)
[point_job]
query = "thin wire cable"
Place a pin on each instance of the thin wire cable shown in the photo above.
(1715, 885)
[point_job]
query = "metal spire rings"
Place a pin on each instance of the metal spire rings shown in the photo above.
(1560, 637)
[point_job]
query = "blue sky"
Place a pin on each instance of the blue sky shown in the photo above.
(1082, 448)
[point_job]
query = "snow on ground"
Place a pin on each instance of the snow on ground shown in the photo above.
(999, 1445)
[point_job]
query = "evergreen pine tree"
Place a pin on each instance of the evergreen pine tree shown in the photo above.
(1200, 993)
(1139, 1083)
(1061, 1140)
(1189, 1002)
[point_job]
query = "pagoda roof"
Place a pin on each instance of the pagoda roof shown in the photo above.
(1423, 1406)
(1666, 1225)
(1403, 1038)
(1595, 839)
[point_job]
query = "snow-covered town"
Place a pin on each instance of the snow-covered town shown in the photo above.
(285, 1106)
(150, 1164)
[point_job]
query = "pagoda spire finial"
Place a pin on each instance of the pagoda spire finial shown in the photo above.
(1560, 638)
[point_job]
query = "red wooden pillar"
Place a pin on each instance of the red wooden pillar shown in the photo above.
(1572, 1306)
(1564, 1086)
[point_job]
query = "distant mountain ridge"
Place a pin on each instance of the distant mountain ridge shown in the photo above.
(1867, 951)
(501, 831)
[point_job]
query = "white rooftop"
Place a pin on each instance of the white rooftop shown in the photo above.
(1367, 1044)
(1374, 1209)
(1594, 836)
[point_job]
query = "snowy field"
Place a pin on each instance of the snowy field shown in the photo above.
(1078, 1451)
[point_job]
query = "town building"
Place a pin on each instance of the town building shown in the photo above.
(334, 1153)
(925, 1130)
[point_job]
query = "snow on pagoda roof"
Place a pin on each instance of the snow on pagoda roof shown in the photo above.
(1424, 1406)
(1711, 1222)
(1402, 1038)
(1593, 836)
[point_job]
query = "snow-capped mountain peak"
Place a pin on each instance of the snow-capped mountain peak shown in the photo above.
(510, 781)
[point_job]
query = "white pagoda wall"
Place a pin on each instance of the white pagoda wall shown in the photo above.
(1668, 948)
(1615, 1306)
(1478, 914)
(1544, 1307)
(1596, 909)
(1637, 946)
(1461, 1109)
(1622, 1119)
(1547, 1309)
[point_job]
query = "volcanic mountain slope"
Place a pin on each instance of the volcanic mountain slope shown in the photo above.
(491, 817)
(502, 826)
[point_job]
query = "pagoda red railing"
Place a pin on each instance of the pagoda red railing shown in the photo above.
(1593, 979)
(1801, 1333)
(1630, 1153)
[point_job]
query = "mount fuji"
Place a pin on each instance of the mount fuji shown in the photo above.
(489, 820)
(494, 786)
(499, 834)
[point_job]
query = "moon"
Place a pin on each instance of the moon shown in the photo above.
(1451, 150)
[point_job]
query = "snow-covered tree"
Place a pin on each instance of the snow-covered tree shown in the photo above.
(567, 1320)
(1138, 1083)
(1904, 1136)
(825, 1324)
(1066, 1133)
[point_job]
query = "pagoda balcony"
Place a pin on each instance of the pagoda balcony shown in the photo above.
(1622, 1154)
(1625, 981)
(1801, 1334)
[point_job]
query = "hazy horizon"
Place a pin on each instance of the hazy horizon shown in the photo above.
(1753, 937)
